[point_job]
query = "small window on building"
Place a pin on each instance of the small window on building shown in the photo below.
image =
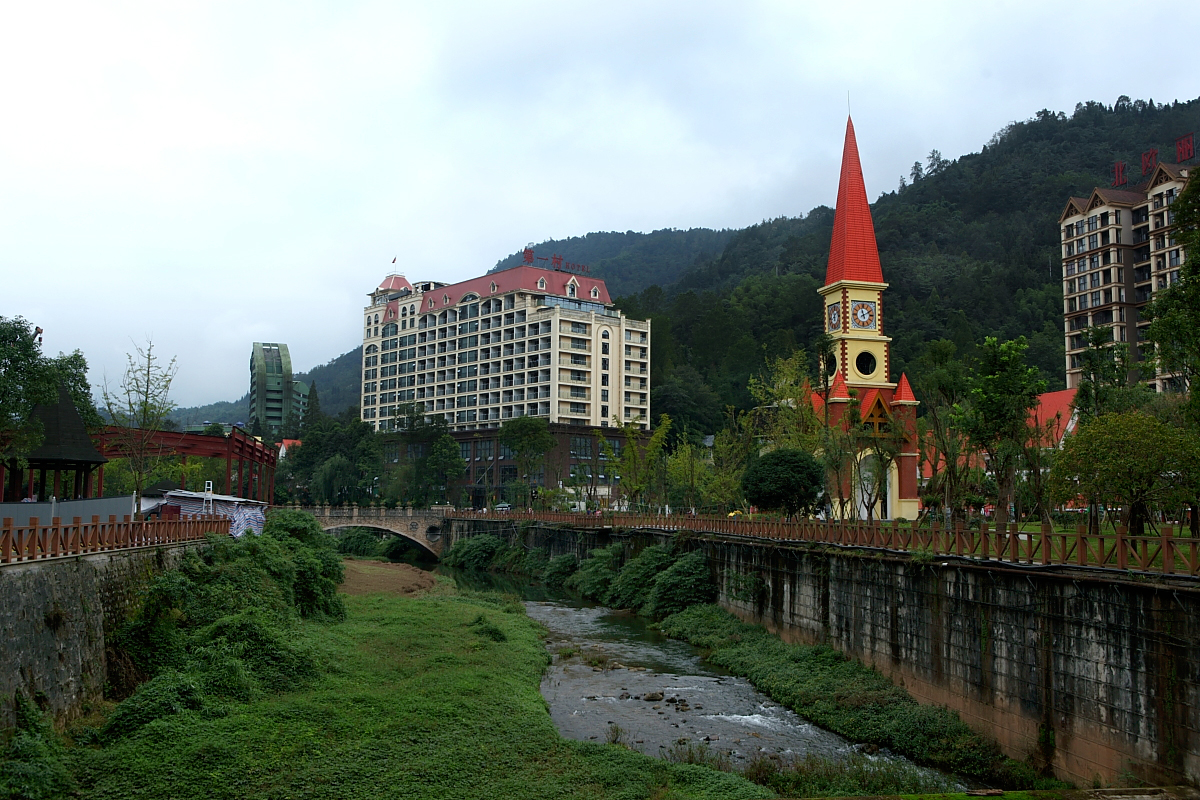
(541, 283)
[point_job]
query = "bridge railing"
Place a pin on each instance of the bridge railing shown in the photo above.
(53, 539)
(1163, 553)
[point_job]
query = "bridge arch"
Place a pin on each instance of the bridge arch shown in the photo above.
(428, 539)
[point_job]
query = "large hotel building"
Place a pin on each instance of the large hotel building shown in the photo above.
(522, 342)
(1118, 249)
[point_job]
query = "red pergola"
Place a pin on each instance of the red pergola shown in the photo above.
(255, 460)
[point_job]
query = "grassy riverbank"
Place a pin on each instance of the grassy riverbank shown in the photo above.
(429, 698)
(850, 699)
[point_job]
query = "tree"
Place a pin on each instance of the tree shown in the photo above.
(732, 445)
(1104, 380)
(138, 408)
(1132, 460)
(1003, 390)
(214, 429)
(1175, 311)
(785, 479)
(944, 387)
(445, 460)
(26, 380)
(689, 474)
(71, 371)
(785, 415)
(529, 439)
(640, 458)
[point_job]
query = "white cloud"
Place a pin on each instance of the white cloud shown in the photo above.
(212, 174)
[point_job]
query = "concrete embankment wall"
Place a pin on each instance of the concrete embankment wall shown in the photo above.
(55, 617)
(1096, 676)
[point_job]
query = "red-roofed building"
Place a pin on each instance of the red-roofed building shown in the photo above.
(521, 342)
(1119, 248)
(853, 295)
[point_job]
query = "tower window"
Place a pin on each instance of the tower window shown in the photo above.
(865, 364)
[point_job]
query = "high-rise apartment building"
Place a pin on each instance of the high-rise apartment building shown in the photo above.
(1118, 249)
(523, 342)
(274, 394)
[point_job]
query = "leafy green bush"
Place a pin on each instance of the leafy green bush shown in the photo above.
(475, 553)
(272, 659)
(685, 583)
(361, 542)
(595, 575)
(31, 766)
(559, 569)
(535, 562)
(169, 692)
(631, 587)
(848, 698)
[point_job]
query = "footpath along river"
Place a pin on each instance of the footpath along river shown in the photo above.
(611, 668)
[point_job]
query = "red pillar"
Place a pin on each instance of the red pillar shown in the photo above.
(100, 482)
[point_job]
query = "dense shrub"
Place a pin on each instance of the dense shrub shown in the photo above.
(595, 575)
(362, 542)
(223, 625)
(559, 569)
(685, 583)
(167, 693)
(813, 776)
(631, 587)
(31, 765)
(848, 698)
(474, 553)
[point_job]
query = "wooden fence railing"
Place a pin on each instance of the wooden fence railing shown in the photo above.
(39, 540)
(1163, 553)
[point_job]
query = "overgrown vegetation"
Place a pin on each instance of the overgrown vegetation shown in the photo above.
(850, 699)
(434, 697)
(32, 767)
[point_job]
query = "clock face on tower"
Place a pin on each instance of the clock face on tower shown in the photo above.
(862, 314)
(833, 316)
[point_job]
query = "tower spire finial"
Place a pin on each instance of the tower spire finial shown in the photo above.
(853, 253)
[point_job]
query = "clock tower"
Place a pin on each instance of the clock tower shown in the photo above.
(861, 367)
(853, 291)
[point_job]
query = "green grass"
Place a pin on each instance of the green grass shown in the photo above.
(848, 698)
(433, 697)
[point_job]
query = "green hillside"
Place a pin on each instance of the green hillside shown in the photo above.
(970, 248)
(629, 262)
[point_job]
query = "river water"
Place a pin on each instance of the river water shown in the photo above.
(610, 668)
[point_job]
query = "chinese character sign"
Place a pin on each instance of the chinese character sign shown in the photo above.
(1149, 160)
(556, 260)
(527, 255)
(1185, 149)
(1119, 178)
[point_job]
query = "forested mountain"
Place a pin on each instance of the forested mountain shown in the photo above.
(969, 246)
(629, 262)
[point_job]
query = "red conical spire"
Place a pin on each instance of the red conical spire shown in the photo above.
(853, 254)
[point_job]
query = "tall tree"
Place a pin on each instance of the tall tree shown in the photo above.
(1131, 460)
(1003, 391)
(26, 379)
(1175, 311)
(445, 462)
(944, 387)
(138, 408)
(529, 439)
(785, 479)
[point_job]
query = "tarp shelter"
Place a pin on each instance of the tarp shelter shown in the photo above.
(243, 515)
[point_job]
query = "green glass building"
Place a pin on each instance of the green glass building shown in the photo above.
(274, 394)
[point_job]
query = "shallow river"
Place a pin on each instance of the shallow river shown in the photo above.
(610, 668)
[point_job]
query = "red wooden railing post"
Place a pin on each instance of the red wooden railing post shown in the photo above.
(1167, 550)
(1122, 552)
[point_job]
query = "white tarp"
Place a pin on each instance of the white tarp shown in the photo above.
(244, 515)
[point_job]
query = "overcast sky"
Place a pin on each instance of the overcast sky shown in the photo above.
(211, 174)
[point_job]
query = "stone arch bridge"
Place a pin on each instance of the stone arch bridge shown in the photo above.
(424, 527)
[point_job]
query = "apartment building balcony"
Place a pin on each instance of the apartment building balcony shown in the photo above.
(577, 361)
(637, 324)
(574, 393)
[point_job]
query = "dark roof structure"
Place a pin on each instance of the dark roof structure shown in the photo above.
(65, 438)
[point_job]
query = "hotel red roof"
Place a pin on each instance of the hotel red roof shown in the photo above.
(394, 283)
(529, 279)
(1055, 409)
(853, 253)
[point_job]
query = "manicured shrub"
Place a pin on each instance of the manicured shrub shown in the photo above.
(685, 583)
(631, 588)
(558, 569)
